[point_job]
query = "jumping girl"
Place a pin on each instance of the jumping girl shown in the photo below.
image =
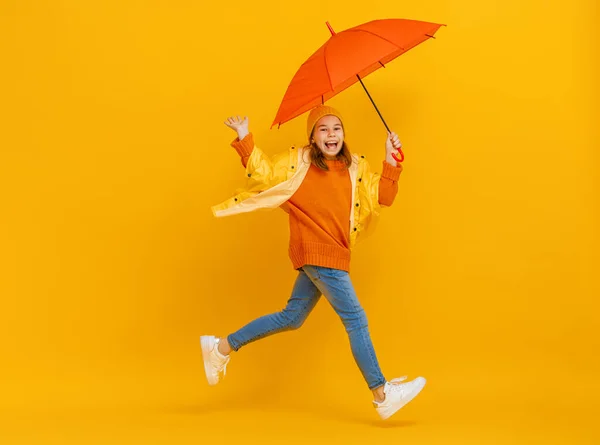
(331, 196)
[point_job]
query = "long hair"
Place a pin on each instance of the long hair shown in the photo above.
(318, 158)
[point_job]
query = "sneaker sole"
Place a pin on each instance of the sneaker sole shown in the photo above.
(415, 393)
(207, 343)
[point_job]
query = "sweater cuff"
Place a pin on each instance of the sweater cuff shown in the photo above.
(391, 172)
(245, 146)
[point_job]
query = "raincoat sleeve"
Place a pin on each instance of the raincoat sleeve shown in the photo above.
(244, 147)
(262, 171)
(388, 183)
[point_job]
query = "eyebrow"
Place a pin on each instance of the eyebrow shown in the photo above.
(335, 125)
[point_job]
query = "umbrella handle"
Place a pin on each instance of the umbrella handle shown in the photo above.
(401, 156)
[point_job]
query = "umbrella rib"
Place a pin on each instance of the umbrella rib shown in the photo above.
(376, 35)
(327, 68)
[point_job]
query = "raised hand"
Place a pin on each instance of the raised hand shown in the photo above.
(239, 125)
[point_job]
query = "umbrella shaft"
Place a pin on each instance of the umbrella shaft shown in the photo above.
(373, 102)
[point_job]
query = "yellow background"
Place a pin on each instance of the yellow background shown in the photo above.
(482, 277)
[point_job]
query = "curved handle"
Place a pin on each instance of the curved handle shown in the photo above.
(401, 156)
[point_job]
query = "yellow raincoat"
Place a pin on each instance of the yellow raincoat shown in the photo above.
(272, 181)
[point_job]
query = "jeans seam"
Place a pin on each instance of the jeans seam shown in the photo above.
(371, 350)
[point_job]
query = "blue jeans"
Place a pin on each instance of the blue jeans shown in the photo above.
(312, 282)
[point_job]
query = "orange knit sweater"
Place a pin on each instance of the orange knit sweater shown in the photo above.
(319, 211)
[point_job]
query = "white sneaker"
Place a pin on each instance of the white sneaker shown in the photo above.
(398, 394)
(214, 361)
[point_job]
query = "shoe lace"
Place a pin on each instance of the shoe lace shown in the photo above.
(394, 384)
(398, 380)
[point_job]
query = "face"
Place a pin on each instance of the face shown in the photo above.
(328, 135)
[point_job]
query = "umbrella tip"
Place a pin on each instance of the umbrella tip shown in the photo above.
(330, 28)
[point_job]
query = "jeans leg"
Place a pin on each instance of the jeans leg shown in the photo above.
(305, 296)
(338, 289)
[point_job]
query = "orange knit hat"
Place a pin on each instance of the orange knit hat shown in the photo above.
(317, 113)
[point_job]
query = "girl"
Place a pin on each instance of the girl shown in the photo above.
(331, 197)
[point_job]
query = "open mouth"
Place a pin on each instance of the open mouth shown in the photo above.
(331, 145)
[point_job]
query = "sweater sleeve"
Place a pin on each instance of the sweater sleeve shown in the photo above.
(244, 147)
(388, 183)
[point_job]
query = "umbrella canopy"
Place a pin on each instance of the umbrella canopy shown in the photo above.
(347, 57)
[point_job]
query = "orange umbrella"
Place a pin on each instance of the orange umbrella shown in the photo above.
(346, 58)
